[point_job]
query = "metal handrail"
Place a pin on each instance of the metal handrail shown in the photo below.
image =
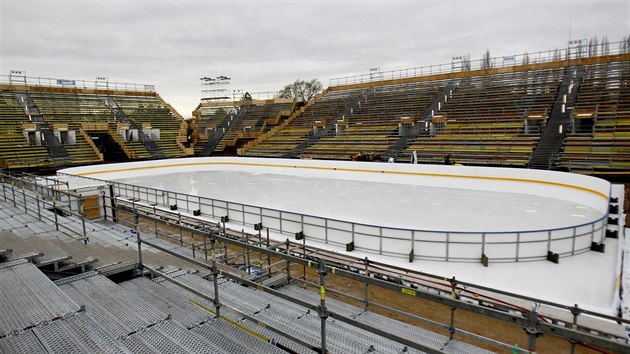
(478, 64)
(288, 223)
(21, 80)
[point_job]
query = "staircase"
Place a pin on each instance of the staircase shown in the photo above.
(149, 144)
(55, 148)
(328, 128)
(435, 106)
(228, 121)
(546, 153)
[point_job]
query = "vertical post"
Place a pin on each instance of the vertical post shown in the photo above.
(215, 273)
(39, 210)
(287, 244)
(181, 232)
(4, 191)
(454, 296)
(225, 247)
(366, 300)
(82, 213)
(532, 328)
(323, 313)
(135, 223)
(205, 247)
(518, 242)
(246, 236)
(304, 255)
(575, 310)
(260, 255)
(54, 200)
(104, 206)
(13, 191)
(24, 198)
(268, 256)
(112, 200)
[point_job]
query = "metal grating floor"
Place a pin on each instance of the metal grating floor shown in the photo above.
(29, 298)
(112, 306)
(169, 337)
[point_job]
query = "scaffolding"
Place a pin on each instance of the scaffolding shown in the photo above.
(215, 89)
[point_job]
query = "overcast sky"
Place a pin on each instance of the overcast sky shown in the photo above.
(263, 45)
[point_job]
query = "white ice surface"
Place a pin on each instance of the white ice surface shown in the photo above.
(417, 207)
(587, 279)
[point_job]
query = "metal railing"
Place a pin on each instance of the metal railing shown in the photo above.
(493, 303)
(52, 205)
(450, 246)
(21, 80)
(457, 65)
(19, 191)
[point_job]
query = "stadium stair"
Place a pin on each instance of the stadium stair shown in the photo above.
(230, 120)
(546, 154)
(314, 136)
(150, 145)
(433, 108)
(55, 148)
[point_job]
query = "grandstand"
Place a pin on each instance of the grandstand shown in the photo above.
(61, 126)
(560, 113)
(224, 127)
(496, 116)
(85, 268)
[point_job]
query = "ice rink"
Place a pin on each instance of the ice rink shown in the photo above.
(415, 206)
(420, 197)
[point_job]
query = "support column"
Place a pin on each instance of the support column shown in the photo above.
(135, 223)
(533, 332)
(575, 310)
(215, 274)
(454, 296)
(366, 300)
(323, 312)
(288, 243)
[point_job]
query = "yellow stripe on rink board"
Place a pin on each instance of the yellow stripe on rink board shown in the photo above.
(344, 169)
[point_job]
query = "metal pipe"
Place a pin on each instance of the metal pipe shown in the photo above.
(323, 313)
(135, 221)
(366, 300)
(215, 273)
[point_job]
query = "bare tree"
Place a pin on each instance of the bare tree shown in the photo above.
(466, 63)
(486, 62)
(557, 56)
(605, 46)
(301, 90)
(593, 44)
(525, 58)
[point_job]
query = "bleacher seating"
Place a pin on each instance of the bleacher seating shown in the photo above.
(324, 110)
(256, 119)
(150, 111)
(483, 121)
(208, 121)
(72, 110)
(15, 149)
(601, 141)
(75, 117)
(374, 125)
